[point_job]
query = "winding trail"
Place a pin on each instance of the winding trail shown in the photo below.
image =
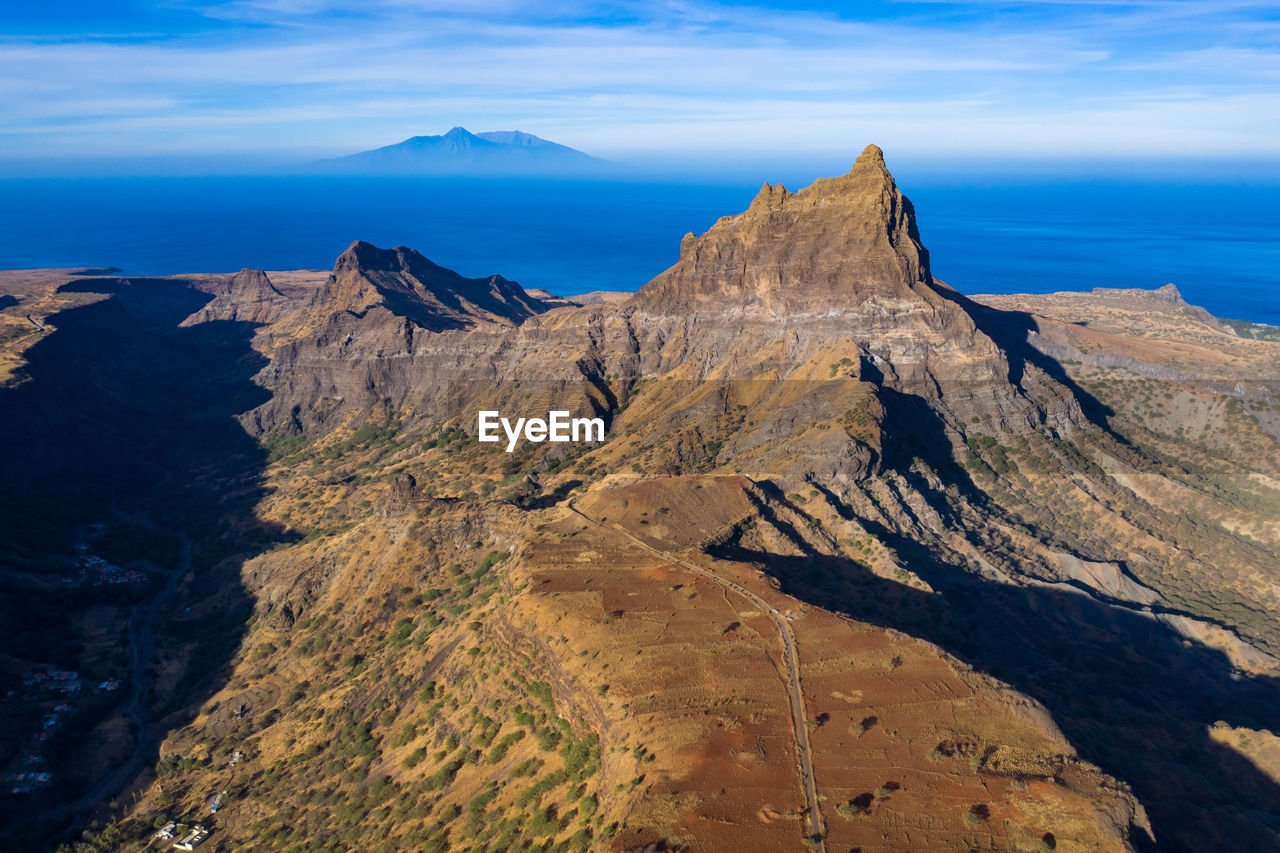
(817, 831)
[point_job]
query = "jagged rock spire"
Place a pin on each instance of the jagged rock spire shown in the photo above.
(837, 242)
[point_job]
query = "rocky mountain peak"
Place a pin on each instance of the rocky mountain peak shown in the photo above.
(253, 284)
(771, 196)
(365, 257)
(1167, 300)
(246, 296)
(870, 156)
(406, 283)
(836, 243)
(1169, 293)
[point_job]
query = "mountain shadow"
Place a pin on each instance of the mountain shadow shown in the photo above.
(121, 443)
(1012, 331)
(1133, 696)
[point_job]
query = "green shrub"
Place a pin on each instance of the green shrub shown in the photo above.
(528, 767)
(407, 733)
(499, 750)
(491, 560)
(587, 806)
(401, 633)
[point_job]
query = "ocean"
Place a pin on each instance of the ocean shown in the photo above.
(1220, 243)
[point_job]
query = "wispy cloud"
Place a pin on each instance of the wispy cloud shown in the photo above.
(627, 78)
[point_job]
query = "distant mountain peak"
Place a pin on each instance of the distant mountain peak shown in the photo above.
(461, 152)
(456, 134)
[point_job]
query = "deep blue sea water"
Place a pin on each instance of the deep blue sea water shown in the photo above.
(1220, 243)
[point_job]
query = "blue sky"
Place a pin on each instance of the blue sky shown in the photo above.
(644, 81)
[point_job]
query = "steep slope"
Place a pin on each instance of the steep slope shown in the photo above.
(839, 262)
(247, 297)
(386, 327)
(126, 477)
(406, 284)
(826, 249)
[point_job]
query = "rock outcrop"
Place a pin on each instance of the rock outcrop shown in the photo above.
(247, 296)
(404, 494)
(830, 248)
(839, 268)
(404, 283)
(1166, 298)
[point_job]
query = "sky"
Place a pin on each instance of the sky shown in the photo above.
(284, 80)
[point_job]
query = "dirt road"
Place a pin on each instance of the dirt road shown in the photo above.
(816, 831)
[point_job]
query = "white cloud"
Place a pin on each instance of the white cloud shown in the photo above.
(324, 74)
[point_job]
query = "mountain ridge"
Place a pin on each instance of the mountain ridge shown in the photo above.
(406, 283)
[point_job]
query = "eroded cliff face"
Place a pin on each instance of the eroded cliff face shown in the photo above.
(246, 297)
(824, 251)
(406, 284)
